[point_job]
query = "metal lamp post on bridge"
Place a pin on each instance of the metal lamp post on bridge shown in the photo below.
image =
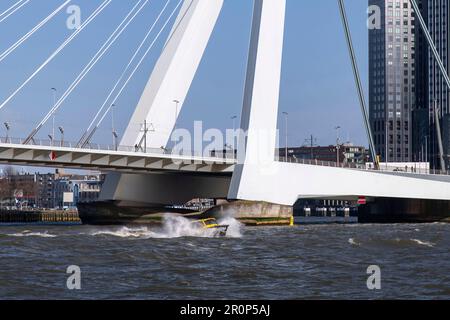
(114, 132)
(286, 132)
(338, 160)
(53, 114)
(116, 137)
(233, 118)
(61, 130)
(177, 102)
(8, 127)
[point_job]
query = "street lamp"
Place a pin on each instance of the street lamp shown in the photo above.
(61, 130)
(286, 131)
(233, 118)
(115, 136)
(51, 139)
(53, 114)
(337, 144)
(113, 129)
(176, 112)
(8, 127)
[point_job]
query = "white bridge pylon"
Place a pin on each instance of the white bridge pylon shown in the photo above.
(173, 73)
(257, 176)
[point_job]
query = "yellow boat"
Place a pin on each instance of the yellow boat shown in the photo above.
(211, 223)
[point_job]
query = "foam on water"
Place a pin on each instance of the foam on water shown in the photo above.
(173, 227)
(353, 242)
(28, 233)
(124, 232)
(423, 243)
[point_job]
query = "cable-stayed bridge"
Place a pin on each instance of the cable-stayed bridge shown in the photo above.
(142, 169)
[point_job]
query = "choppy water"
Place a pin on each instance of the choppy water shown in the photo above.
(176, 262)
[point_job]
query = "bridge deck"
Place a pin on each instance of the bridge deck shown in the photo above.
(123, 161)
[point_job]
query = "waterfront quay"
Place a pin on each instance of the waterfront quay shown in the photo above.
(39, 216)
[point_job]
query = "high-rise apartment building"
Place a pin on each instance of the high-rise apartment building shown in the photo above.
(432, 90)
(392, 82)
(420, 114)
(438, 92)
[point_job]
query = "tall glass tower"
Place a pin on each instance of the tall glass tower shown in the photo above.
(438, 92)
(432, 90)
(392, 82)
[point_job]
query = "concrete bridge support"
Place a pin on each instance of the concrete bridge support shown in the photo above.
(162, 189)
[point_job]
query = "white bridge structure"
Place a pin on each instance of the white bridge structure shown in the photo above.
(256, 174)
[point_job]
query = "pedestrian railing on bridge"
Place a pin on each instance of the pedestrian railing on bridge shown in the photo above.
(119, 148)
(357, 166)
(219, 155)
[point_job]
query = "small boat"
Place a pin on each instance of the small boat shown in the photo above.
(220, 230)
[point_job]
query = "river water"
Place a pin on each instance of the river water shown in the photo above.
(177, 262)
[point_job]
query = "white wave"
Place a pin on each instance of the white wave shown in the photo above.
(28, 233)
(353, 242)
(177, 227)
(234, 227)
(173, 227)
(124, 232)
(423, 243)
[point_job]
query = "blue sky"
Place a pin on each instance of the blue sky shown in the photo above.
(318, 88)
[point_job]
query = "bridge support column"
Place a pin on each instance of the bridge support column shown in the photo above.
(261, 98)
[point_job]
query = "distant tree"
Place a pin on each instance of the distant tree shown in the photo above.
(4, 188)
(11, 182)
(9, 171)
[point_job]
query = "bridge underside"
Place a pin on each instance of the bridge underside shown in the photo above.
(163, 189)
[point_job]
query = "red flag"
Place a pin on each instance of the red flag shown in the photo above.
(52, 155)
(362, 200)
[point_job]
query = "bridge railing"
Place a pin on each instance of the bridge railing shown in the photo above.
(321, 163)
(408, 170)
(119, 148)
(220, 155)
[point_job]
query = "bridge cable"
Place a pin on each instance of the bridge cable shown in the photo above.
(31, 32)
(359, 86)
(100, 53)
(60, 48)
(133, 72)
(11, 10)
(444, 73)
(431, 43)
(83, 140)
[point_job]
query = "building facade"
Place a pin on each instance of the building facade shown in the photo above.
(392, 83)
(48, 191)
(347, 153)
(438, 13)
(431, 88)
(420, 114)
